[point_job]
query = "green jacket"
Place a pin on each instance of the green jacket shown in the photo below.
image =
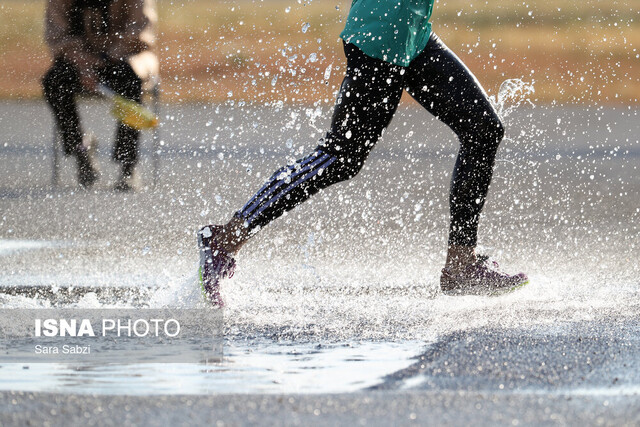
(395, 31)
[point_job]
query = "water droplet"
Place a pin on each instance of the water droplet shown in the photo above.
(327, 72)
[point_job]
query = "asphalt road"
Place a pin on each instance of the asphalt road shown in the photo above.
(360, 262)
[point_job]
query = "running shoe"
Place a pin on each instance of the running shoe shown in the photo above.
(481, 278)
(215, 264)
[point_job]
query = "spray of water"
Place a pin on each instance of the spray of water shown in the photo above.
(181, 293)
(357, 261)
(512, 94)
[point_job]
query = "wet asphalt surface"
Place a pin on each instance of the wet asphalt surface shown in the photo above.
(359, 262)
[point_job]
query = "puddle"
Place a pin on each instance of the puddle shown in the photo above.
(256, 366)
(10, 247)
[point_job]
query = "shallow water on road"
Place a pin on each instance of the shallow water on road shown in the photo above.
(354, 271)
(256, 366)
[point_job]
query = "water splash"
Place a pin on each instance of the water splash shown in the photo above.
(512, 94)
(327, 72)
(182, 293)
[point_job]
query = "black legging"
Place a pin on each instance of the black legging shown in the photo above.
(61, 85)
(367, 100)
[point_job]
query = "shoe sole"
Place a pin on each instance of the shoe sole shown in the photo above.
(487, 293)
(509, 290)
(201, 280)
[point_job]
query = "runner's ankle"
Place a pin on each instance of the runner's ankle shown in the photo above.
(233, 236)
(460, 257)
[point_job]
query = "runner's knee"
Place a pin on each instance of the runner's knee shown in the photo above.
(349, 159)
(346, 168)
(494, 131)
(483, 137)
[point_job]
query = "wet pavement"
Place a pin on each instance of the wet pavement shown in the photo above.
(357, 266)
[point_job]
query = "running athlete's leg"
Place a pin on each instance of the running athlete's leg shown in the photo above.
(367, 100)
(443, 85)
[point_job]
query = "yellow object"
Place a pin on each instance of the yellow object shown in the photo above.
(133, 114)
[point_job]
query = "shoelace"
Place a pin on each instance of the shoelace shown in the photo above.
(487, 269)
(485, 259)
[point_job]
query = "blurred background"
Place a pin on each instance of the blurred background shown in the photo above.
(288, 50)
